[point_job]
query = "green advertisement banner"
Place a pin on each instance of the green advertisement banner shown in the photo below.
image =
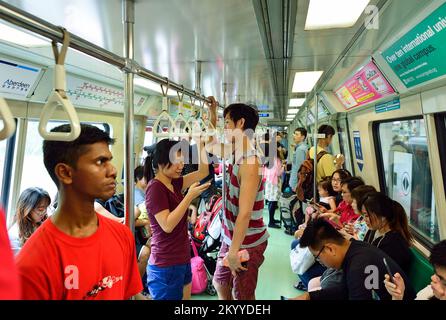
(420, 55)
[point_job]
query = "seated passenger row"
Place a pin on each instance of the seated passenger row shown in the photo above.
(349, 256)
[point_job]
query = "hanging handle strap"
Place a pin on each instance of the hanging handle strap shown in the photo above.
(8, 120)
(177, 130)
(165, 100)
(59, 98)
(164, 114)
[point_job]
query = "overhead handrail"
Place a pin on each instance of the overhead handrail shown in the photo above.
(165, 114)
(8, 120)
(177, 130)
(59, 98)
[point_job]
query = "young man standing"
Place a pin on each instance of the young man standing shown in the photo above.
(77, 254)
(300, 152)
(327, 163)
(243, 226)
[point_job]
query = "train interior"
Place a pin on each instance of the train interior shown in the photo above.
(255, 52)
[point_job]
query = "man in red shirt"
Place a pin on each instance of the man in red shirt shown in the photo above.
(78, 254)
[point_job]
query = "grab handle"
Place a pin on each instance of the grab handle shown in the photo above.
(59, 98)
(8, 120)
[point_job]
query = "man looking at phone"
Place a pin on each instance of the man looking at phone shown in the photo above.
(300, 152)
(362, 264)
(243, 226)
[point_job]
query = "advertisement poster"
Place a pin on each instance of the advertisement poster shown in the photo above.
(365, 86)
(419, 56)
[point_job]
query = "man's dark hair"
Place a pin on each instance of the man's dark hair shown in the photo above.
(438, 255)
(302, 131)
(237, 111)
(138, 173)
(352, 182)
(318, 232)
(327, 130)
(55, 152)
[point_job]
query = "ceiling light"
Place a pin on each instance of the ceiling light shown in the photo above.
(305, 81)
(22, 38)
(297, 102)
(145, 83)
(328, 14)
(293, 111)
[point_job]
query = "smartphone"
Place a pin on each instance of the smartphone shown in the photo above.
(206, 179)
(388, 270)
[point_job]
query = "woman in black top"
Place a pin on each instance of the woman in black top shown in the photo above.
(388, 227)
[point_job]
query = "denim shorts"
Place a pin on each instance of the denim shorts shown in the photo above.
(166, 283)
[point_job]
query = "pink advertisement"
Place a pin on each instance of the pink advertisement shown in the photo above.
(365, 86)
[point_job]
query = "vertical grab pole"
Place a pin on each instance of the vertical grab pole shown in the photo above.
(307, 125)
(223, 186)
(128, 8)
(316, 118)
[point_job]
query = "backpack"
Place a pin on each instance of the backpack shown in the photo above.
(305, 177)
(115, 205)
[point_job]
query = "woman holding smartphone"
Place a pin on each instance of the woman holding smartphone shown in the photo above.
(169, 273)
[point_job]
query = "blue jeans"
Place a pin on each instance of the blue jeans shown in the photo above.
(166, 283)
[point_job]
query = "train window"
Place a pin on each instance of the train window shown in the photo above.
(34, 173)
(406, 175)
(148, 136)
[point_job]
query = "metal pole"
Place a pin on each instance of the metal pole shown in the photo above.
(128, 13)
(223, 186)
(316, 118)
(307, 126)
(198, 76)
(37, 25)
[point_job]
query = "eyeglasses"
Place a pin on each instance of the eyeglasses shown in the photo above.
(40, 212)
(319, 253)
(336, 180)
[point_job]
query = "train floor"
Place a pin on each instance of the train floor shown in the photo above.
(275, 276)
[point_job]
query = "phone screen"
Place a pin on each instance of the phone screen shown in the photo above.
(207, 179)
(388, 269)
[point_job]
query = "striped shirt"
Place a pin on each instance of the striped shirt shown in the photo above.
(257, 232)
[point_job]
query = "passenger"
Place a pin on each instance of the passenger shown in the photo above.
(359, 228)
(77, 253)
(336, 179)
(169, 270)
(436, 289)
(9, 279)
(326, 165)
(272, 173)
(326, 200)
(31, 212)
(388, 228)
(142, 223)
(243, 226)
(344, 213)
(355, 259)
(300, 152)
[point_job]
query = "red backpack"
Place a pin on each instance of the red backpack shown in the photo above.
(205, 219)
(305, 177)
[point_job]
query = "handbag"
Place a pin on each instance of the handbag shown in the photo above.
(301, 259)
(199, 275)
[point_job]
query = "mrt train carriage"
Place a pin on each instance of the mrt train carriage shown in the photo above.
(374, 70)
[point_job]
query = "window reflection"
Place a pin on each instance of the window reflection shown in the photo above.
(407, 173)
